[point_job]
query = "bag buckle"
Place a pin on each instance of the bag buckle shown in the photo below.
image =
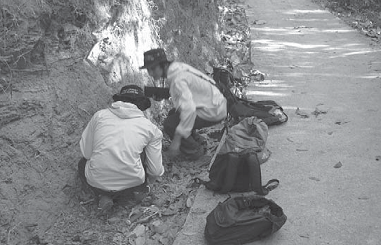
(246, 202)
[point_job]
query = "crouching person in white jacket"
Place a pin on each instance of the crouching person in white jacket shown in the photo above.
(197, 102)
(122, 150)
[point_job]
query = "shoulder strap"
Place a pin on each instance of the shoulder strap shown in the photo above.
(225, 91)
(202, 77)
(256, 176)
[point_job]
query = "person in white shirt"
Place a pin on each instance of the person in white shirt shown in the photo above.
(121, 149)
(198, 103)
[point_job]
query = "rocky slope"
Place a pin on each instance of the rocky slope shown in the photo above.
(60, 62)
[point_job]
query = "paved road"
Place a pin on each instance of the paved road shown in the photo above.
(313, 62)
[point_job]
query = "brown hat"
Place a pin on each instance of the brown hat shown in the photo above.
(153, 57)
(135, 95)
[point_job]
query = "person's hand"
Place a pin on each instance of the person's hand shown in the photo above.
(172, 153)
(151, 179)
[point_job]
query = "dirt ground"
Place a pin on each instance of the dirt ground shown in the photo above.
(49, 91)
(60, 62)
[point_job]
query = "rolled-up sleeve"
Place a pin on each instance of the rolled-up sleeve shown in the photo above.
(154, 160)
(183, 101)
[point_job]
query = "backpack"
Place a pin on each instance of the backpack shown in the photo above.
(237, 166)
(267, 110)
(243, 219)
(249, 135)
(234, 172)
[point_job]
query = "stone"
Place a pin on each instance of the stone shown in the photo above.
(158, 227)
(139, 230)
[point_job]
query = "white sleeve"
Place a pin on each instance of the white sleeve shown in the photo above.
(86, 143)
(184, 102)
(154, 160)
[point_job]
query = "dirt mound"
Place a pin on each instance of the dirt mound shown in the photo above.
(60, 62)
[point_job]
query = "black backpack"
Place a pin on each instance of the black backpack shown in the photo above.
(236, 167)
(235, 172)
(243, 219)
(267, 110)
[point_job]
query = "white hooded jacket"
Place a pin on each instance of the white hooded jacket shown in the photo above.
(112, 143)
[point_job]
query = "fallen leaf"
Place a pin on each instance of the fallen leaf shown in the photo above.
(140, 240)
(164, 240)
(139, 230)
(341, 122)
(317, 112)
(290, 140)
(169, 212)
(189, 202)
(301, 113)
(338, 165)
(363, 198)
(158, 227)
(259, 22)
(314, 178)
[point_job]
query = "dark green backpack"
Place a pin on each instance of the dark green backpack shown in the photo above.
(234, 172)
(237, 166)
(243, 219)
(267, 110)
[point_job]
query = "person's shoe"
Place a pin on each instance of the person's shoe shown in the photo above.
(105, 204)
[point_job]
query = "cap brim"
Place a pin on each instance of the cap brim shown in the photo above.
(123, 96)
(149, 66)
(145, 101)
(153, 64)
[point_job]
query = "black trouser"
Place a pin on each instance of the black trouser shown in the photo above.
(121, 197)
(188, 145)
